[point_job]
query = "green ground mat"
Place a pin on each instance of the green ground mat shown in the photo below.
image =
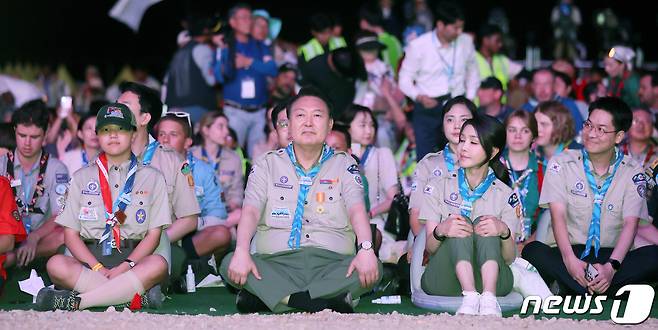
(219, 301)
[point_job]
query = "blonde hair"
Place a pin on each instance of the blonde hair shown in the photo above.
(564, 128)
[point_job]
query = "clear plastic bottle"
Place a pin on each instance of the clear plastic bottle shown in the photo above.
(190, 281)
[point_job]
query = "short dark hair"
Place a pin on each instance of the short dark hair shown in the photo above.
(84, 118)
(350, 113)
(449, 12)
(149, 100)
(563, 76)
(187, 130)
(491, 83)
(276, 110)
(654, 77)
(32, 113)
(340, 128)
(491, 133)
(7, 136)
(309, 91)
(472, 108)
(320, 22)
(622, 116)
(371, 15)
(487, 30)
(236, 7)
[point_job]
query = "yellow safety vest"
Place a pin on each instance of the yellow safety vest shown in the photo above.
(313, 48)
(500, 64)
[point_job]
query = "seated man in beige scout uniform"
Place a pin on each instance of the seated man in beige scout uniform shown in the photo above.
(146, 106)
(38, 181)
(596, 197)
(115, 211)
(305, 211)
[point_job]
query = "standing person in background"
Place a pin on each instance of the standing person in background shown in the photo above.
(190, 82)
(491, 63)
(438, 65)
(322, 42)
(490, 96)
(623, 82)
(246, 63)
(88, 150)
(370, 19)
(214, 131)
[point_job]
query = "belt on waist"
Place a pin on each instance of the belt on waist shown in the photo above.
(249, 108)
(125, 243)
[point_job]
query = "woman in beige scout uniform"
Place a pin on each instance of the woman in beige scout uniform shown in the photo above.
(115, 212)
(472, 216)
(437, 164)
(596, 197)
(304, 210)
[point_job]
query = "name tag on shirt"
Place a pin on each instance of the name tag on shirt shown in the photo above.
(87, 214)
(306, 181)
(248, 88)
(15, 183)
(280, 213)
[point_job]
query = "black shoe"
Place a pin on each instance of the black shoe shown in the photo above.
(50, 299)
(153, 298)
(248, 303)
(341, 303)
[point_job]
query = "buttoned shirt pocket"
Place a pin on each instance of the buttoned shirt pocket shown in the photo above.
(281, 209)
(91, 216)
(330, 212)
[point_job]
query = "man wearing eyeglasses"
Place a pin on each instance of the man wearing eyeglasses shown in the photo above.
(596, 197)
(174, 130)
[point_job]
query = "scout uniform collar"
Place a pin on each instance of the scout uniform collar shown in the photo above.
(449, 158)
(147, 154)
(39, 187)
(470, 196)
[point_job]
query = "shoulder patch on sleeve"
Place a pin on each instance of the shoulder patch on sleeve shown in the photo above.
(513, 200)
(358, 180)
(61, 178)
(353, 169)
(642, 190)
(555, 167)
(639, 178)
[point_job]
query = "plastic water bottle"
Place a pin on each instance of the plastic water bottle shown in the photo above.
(189, 280)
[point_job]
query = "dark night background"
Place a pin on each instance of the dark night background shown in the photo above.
(77, 32)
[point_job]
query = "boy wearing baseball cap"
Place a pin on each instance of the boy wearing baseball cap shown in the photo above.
(115, 211)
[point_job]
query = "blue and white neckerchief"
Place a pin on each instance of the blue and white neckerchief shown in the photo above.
(449, 158)
(305, 182)
(594, 233)
(469, 197)
(205, 158)
(150, 151)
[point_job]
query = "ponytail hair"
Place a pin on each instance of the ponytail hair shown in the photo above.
(491, 134)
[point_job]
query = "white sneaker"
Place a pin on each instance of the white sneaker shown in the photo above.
(470, 304)
(489, 305)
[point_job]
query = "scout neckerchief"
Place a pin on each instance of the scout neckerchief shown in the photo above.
(449, 158)
(364, 179)
(115, 214)
(647, 157)
(215, 163)
(599, 194)
(305, 182)
(85, 159)
(469, 197)
(521, 186)
(38, 188)
(150, 151)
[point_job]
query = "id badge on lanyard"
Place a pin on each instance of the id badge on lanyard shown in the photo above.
(248, 88)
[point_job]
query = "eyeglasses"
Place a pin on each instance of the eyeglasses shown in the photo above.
(600, 131)
(179, 114)
(282, 123)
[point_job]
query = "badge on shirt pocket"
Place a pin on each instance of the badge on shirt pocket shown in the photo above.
(88, 214)
(280, 213)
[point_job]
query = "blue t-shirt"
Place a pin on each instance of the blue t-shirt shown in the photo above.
(207, 190)
(262, 67)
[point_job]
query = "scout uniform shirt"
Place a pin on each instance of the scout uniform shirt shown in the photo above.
(85, 211)
(433, 165)
(273, 187)
(381, 174)
(180, 189)
(441, 198)
(565, 182)
(55, 181)
(229, 174)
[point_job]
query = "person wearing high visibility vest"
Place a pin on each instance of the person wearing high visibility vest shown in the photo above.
(322, 40)
(373, 21)
(490, 61)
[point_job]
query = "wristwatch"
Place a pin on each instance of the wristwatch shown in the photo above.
(365, 245)
(437, 237)
(615, 264)
(130, 263)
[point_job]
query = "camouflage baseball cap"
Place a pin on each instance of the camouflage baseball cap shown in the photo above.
(115, 114)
